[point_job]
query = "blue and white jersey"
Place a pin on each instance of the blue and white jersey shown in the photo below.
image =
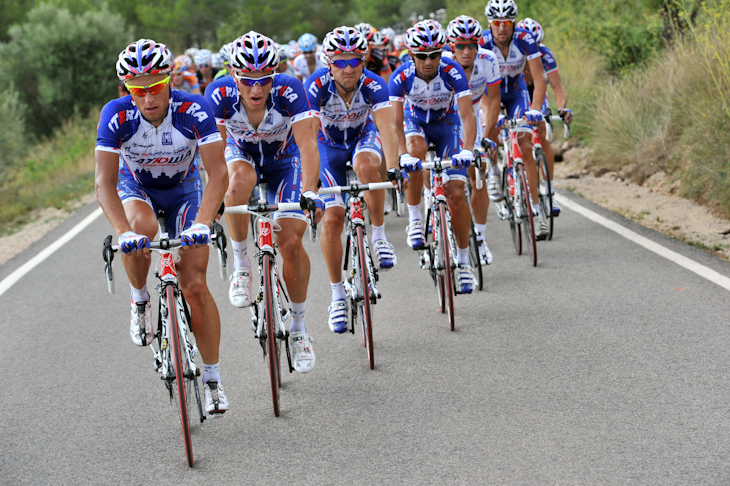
(548, 59)
(485, 73)
(157, 157)
(272, 139)
(433, 100)
(340, 125)
(301, 68)
(522, 48)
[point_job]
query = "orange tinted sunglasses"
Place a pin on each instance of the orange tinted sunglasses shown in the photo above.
(505, 22)
(153, 89)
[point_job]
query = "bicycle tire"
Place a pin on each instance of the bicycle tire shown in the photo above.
(178, 354)
(271, 342)
(545, 190)
(448, 272)
(277, 328)
(514, 222)
(474, 258)
(529, 227)
(190, 376)
(365, 311)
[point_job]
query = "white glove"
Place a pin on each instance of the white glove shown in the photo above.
(463, 159)
(197, 234)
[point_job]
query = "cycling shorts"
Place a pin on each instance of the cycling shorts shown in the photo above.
(283, 176)
(333, 162)
(545, 104)
(445, 134)
(516, 105)
(180, 203)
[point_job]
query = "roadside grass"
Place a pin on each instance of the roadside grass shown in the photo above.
(54, 173)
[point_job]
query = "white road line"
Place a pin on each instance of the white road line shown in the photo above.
(683, 261)
(11, 279)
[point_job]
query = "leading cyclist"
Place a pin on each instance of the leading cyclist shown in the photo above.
(271, 132)
(145, 151)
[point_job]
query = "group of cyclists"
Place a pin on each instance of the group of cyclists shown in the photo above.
(298, 114)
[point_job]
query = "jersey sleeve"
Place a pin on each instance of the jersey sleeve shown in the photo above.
(315, 86)
(375, 91)
(548, 60)
(222, 95)
(294, 99)
(492, 67)
(396, 84)
(109, 131)
(204, 124)
(526, 44)
(454, 75)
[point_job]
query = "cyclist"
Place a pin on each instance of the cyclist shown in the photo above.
(270, 132)
(377, 60)
(182, 78)
(482, 71)
(309, 60)
(553, 78)
(145, 151)
(354, 110)
(284, 57)
(204, 63)
(425, 93)
(515, 48)
(225, 54)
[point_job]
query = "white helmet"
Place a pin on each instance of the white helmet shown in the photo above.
(501, 9)
(254, 52)
(533, 27)
(425, 36)
(144, 56)
(203, 58)
(464, 28)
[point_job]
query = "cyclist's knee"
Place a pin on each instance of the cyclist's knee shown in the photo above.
(333, 220)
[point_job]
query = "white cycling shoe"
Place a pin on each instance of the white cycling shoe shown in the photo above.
(301, 351)
(239, 292)
(416, 240)
(216, 400)
(141, 320)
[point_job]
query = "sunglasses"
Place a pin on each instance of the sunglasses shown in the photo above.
(461, 47)
(153, 89)
(505, 22)
(353, 63)
(251, 82)
(422, 56)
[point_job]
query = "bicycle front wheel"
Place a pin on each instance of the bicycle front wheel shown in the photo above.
(272, 346)
(363, 281)
(514, 221)
(180, 364)
(448, 272)
(529, 226)
(545, 190)
(474, 258)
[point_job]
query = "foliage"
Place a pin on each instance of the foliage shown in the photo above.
(12, 136)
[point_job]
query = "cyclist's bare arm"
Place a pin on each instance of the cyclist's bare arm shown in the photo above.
(556, 83)
(106, 177)
(215, 166)
(468, 121)
(307, 143)
(493, 102)
(538, 76)
(400, 133)
(385, 122)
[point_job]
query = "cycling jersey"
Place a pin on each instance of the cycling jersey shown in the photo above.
(484, 73)
(433, 100)
(301, 68)
(220, 74)
(272, 139)
(548, 59)
(522, 48)
(341, 125)
(157, 157)
(190, 82)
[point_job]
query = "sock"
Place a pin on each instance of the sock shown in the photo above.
(426, 193)
(378, 233)
(462, 256)
(297, 317)
(338, 291)
(480, 231)
(414, 213)
(211, 372)
(140, 295)
(240, 254)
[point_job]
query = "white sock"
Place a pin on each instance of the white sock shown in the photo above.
(211, 372)
(140, 295)
(415, 213)
(338, 291)
(426, 193)
(462, 256)
(240, 254)
(297, 317)
(480, 231)
(378, 233)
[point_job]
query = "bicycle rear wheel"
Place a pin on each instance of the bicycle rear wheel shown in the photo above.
(514, 221)
(474, 258)
(272, 346)
(545, 190)
(529, 226)
(179, 362)
(448, 272)
(365, 309)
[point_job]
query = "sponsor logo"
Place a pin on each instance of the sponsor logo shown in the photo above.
(288, 93)
(190, 108)
(167, 138)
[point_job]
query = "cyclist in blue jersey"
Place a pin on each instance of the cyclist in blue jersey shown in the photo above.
(553, 77)
(270, 131)
(309, 60)
(482, 71)
(145, 161)
(355, 112)
(515, 48)
(425, 93)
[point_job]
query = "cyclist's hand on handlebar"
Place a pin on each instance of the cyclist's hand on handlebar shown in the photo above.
(566, 114)
(534, 116)
(500, 121)
(409, 163)
(396, 175)
(463, 159)
(314, 203)
(196, 236)
(492, 149)
(130, 242)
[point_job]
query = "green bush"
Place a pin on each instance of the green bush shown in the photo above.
(12, 137)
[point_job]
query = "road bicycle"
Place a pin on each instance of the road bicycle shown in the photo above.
(270, 310)
(360, 281)
(173, 347)
(474, 257)
(544, 181)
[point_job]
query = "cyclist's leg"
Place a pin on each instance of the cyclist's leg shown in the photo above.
(367, 162)
(417, 146)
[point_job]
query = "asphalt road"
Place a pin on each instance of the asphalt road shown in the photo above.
(606, 364)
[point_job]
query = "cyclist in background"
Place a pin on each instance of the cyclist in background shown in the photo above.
(225, 54)
(354, 111)
(284, 58)
(132, 186)
(270, 132)
(515, 48)
(204, 63)
(182, 78)
(482, 71)
(425, 93)
(553, 78)
(309, 60)
(377, 61)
